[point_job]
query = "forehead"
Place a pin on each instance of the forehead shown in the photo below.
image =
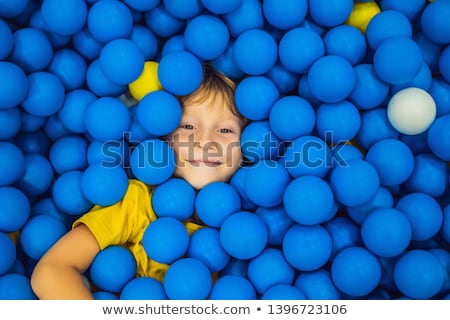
(212, 106)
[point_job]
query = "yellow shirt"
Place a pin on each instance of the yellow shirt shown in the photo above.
(125, 222)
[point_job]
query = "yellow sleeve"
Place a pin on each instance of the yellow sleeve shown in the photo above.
(122, 222)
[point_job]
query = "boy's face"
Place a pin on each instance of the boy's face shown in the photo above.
(207, 143)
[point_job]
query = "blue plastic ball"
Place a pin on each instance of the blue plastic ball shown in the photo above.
(8, 249)
(71, 113)
(226, 64)
(205, 246)
(113, 268)
(64, 17)
(104, 295)
(291, 117)
(307, 155)
(265, 183)
(285, 80)
(122, 61)
(331, 78)
(355, 184)
(159, 113)
(7, 39)
(412, 9)
(337, 122)
(143, 288)
(259, 143)
(414, 205)
(418, 274)
(67, 193)
(39, 234)
(317, 285)
(38, 175)
(13, 163)
(429, 175)
(103, 185)
(346, 41)
(387, 23)
(165, 240)
(146, 40)
(70, 67)
(47, 206)
(162, 23)
(386, 232)
(109, 20)
(32, 51)
(231, 287)
(183, 9)
(70, 144)
(141, 5)
(444, 258)
(375, 126)
(343, 152)
(206, 36)
(99, 84)
(369, 91)
(15, 286)
(255, 96)
(173, 44)
(152, 161)
(215, 202)
(344, 233)
(400, 67)
(243, 235)
(268, 269)
(355, 271)
(187, 279)
(54, 128)
(237, 181)
(15, 209)
(285, 15)
(283, 292)
(255, 52)
(299, 48)
(393, 160)
(180, 72)
(106, 119)
(221, 7)
(445, 230)
(277, 222)
(438, 90)
(46, 94)
(14, 87)
(34, 142)
(433, 20)
(329, 13)
(248, 16)
(86, 45)
(174, 198)
(307, 248)
(309, 200)
(439, 145)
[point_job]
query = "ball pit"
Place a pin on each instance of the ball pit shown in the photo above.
(345, 188)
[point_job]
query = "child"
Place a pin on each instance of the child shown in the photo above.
(207, 149)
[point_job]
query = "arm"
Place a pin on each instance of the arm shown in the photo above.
(58, 275)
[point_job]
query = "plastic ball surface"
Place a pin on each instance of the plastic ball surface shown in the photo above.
(309, 200)
(159, 113)
(8, 249)
(411, 110)
(317, 285)
(153, 161)
(285, 15)
(330, 13)
(39, 234)
(187, 279)
(418, 274)
(255, 52)
(215, 202)
(13, 163)
(64, 17)
(15, 209)
(69, 144)
(113, 268)
(344, 233)
(346, 41)
(70, 67)
(205, 246)
(277, 222)
(436, 141)
(356, 183)
(231, 287)
(122, 61)
(243, 235)
(143, 288)
(206, 36)
(38, 176)
(307, 248)
(14, 87)
(283, 292)
(386, 232)
(15, 286)
(7, 38)
(174, 198)
(147, 81)
(165, 240)
(433, 20)
(355, 271)
(180, 72)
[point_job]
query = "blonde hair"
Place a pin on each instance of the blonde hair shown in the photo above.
(215, 85)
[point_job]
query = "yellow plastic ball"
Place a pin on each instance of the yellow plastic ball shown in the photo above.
(147, 82)
(362, 13)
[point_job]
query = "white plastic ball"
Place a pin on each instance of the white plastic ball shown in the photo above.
(411, 111)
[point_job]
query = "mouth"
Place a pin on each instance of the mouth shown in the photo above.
(204, 163)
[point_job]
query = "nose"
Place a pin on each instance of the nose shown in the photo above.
(204, 139)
